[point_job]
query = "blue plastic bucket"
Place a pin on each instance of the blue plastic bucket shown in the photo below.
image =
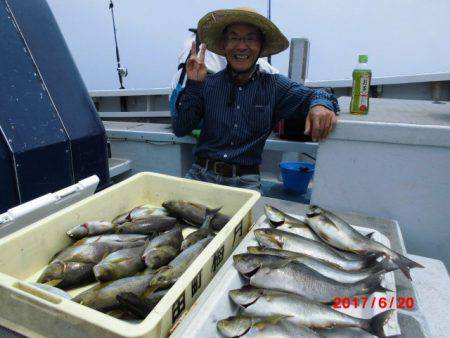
(296, 175)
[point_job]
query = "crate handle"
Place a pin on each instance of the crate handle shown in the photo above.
(42, 294)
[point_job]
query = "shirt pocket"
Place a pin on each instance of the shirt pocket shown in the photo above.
(260, 119)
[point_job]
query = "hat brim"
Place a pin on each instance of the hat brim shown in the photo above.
(210, 30)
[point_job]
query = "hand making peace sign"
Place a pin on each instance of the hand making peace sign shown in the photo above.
(195, 66)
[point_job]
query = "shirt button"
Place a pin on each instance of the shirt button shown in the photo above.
(232, 143)
(238, 107)
(225, 156)
(235, 125)
(240, 88)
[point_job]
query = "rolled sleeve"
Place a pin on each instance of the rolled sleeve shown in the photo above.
(321, 97)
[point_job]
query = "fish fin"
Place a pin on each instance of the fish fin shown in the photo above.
(279, 264)
(253, 249)
(53, 282)
(377, 323)
(209, 215)
(270, 320)
(119, 260)
(386, 265)
(405, 261)
(151, 289)
(275, 241)
(373, 283)
(134, 304)
(314, 210)
(405, 264)
(369, 235)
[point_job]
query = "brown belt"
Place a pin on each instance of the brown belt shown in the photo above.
(227, 169)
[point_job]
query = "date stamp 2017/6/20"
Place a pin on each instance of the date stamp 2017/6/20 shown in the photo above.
(379, 302)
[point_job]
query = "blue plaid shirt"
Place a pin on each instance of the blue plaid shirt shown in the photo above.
(238, 119)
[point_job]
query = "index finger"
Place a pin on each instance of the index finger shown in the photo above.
(193, 49)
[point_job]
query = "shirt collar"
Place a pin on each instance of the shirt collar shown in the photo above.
(252, 77)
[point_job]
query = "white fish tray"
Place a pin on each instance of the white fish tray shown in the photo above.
(214, 303)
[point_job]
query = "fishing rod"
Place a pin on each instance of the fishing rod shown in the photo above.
(269, 10)
(121, 71)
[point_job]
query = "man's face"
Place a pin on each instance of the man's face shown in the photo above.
(242, 45)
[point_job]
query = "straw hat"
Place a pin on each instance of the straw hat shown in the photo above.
(210, 29)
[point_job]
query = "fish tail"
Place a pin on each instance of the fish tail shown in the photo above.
(134, 304)
(209, 215)
(373, 283)
(377, 323)
(404, 264)
(385, 265)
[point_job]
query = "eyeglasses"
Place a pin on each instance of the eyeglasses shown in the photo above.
(250, 40)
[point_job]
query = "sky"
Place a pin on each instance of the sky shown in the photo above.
(398, 38)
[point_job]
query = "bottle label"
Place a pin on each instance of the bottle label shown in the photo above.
(360, 93)
(364, 93)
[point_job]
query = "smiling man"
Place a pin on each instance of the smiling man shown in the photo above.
(240, 105)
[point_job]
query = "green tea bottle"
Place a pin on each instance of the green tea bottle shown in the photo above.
(361, 87)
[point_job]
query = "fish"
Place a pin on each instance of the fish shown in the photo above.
(318, 265)
(140, 306)
(204, 230)
(139, 213)
(92, 252)
(67, 274)
(147, 226)
(277, 239)
(194, 213)
(298, 226)
(52, 289)
(167, 275)
(119, 264)
(268, 327)
(339, 234)
(104, 295)
(294, 277)
(111, 238)
(163, 248)
(347, 332)
(288, 223)
(302, 311)
(90, 228)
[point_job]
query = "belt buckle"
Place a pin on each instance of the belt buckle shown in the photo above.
(215, 167)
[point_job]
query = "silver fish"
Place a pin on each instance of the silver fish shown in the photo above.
(269, 327)
(140, 306)
(339, 234)
(163, 248)
(147, 226)
(92, 252)
(287, 223)
(301, 310)
(119, 264)
(91, 228)
(297, 278)
(139, 212)
(298, 226)
(318, 265)
(103, 296)
(111, 238)
(67, 274)
(194, 213)
(347, 332)
(168, 275)
(277, 239)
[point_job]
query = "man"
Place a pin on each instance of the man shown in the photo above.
(240, 105)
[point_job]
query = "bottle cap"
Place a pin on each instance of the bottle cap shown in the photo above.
(363, 58)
